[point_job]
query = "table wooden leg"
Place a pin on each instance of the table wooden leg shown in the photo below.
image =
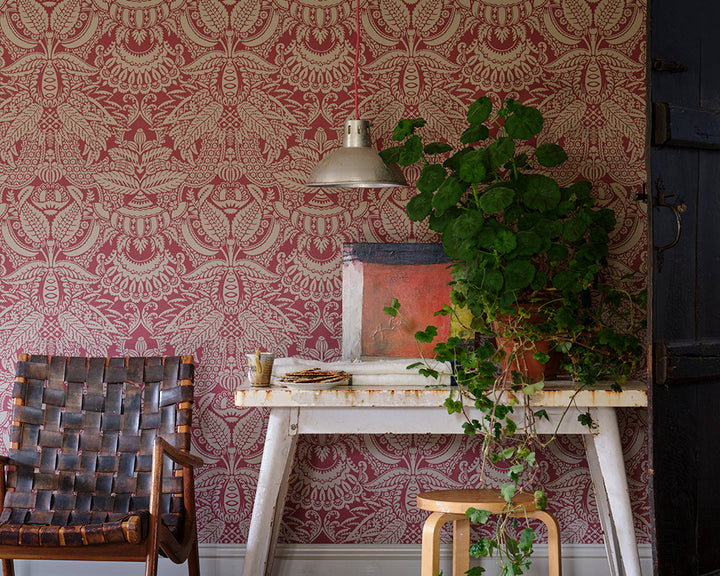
(280, 443)
(605, 459)
(601, 499)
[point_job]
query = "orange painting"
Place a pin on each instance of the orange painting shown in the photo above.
(421, 289)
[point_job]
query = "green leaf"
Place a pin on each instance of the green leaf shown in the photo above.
(453, 163)
(539, 281)
(438, 221)
(431, 176)
(586, 419)
(444, 311)
(542, 415)
(580, 191)
(507, 491)
(474, 133)
(550, 155)
(548, 228)
(573, 230)
(505, 241)
(558, 252)
(390, 311)
(437, 148)
(448, 194)
(541, 356)
(528, 243)
(429, 373)
(411, 151)
(492, 281)
(563, 347)
(451, 242)
(474, 571)
(480, 110)
(507, 299)
(541, 192)
(472, 166)
(540, 499)
(482, 548)
(519, 274)
(530, 459)
(500, 152)
(468, 224)
(406, 127)
(524, 122)
(510, 426)
(478, 516)
(393, 309)
(526, 540)
(530, 389)
(529, 220)
(453, 406)
(593, 251)
(497, 199)
(520, 161)
(598, 234)
(419, 207)
(606, 219)
(390, 155)
(564, 279)
(427, 335)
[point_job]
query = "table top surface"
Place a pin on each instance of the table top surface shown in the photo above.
(554, 393)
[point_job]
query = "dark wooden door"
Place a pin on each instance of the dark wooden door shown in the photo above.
(684, 193)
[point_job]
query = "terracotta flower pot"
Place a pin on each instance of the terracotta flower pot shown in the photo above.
(523, 361)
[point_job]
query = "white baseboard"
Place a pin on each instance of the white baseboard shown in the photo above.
(329, 560)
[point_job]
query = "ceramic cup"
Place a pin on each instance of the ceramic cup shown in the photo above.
(260, 365)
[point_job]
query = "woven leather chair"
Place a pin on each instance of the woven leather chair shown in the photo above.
(99, 467)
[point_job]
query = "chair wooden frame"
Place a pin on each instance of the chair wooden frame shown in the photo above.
(159, 537)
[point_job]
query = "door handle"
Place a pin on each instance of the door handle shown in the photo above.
(677, 209)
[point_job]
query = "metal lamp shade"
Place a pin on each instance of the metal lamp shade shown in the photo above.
(356, 164)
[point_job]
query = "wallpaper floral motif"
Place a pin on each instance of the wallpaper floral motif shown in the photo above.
(152, 161)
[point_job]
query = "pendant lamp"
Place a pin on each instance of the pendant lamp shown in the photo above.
(356, 164)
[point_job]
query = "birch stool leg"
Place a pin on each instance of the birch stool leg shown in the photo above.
(553, 529)
(461, 545)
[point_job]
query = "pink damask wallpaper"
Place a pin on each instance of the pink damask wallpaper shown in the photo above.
(152, 161)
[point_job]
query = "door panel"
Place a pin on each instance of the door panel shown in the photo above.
(684, 185)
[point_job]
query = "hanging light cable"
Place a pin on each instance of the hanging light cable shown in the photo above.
(356, 164)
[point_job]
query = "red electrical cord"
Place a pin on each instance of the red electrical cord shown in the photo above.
(357, 52)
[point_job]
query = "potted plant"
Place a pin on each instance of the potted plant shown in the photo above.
(527, 261)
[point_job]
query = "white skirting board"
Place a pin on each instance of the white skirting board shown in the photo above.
(329, 560)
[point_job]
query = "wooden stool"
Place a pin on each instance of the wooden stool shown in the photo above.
(447, 505)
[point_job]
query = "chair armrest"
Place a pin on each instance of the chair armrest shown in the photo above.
(4, 460)
(182, 457)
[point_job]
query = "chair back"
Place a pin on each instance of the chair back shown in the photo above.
(82, 438)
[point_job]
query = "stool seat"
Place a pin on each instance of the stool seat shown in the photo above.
(451, 505)
(458, 501)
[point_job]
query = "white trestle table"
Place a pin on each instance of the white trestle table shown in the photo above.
(417, 409)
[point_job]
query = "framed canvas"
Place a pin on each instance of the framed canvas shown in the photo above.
(373, 275)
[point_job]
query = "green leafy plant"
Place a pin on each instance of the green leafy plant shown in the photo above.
(528, 257)
(520, 243)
